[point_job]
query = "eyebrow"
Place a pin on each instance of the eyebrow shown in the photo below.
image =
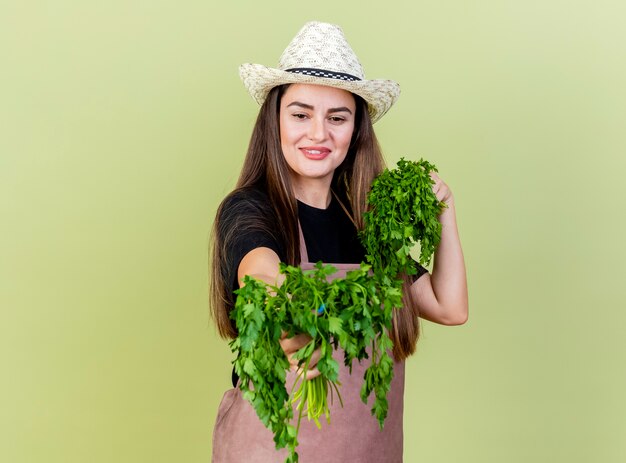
(331, 110)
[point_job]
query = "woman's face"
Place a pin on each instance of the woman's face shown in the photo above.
(316, 125)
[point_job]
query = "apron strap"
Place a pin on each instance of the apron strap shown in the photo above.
(304, 256)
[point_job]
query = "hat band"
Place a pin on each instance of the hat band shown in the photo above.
(323, 73)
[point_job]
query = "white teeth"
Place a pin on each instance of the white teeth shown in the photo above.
(314, 152)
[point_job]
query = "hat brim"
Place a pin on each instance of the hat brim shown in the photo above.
(379, 94)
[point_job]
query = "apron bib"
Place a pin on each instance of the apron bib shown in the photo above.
(353, 435)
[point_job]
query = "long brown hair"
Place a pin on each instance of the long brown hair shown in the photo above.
(265, 168)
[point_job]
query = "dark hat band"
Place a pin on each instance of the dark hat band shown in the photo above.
(323, 73)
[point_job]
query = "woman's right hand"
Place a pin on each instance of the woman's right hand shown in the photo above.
(294, 344)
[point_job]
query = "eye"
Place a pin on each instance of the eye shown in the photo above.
(337, 119)
(300, 116)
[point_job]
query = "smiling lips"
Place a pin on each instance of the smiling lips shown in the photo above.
(315, 152)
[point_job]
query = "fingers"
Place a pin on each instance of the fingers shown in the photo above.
(315, 357)
(310, 373)
(440, 188)
(312, 370)
(436, 185)
(294, 344)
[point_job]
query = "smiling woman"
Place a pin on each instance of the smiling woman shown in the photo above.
(316, 127)
(300, 199)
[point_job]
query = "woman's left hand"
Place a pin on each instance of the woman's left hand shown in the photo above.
(441, 189)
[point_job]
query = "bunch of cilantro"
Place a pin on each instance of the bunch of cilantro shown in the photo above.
(353, 314)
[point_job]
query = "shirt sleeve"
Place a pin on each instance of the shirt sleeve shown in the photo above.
(247, 222)
(420, 272)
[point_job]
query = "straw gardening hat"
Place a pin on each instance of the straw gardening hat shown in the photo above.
(320, 55)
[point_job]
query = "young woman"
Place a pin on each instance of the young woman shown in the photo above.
(300, 199)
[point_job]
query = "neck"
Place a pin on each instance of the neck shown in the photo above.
(313, 192)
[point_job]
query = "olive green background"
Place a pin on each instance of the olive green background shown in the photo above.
(123, 124)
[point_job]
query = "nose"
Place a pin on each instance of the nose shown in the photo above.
(317, 129)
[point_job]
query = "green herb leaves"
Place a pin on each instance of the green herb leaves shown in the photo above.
(353, 313)
(355, 317)
(403, 210)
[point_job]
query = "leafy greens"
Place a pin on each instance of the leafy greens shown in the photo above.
(353, 314)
